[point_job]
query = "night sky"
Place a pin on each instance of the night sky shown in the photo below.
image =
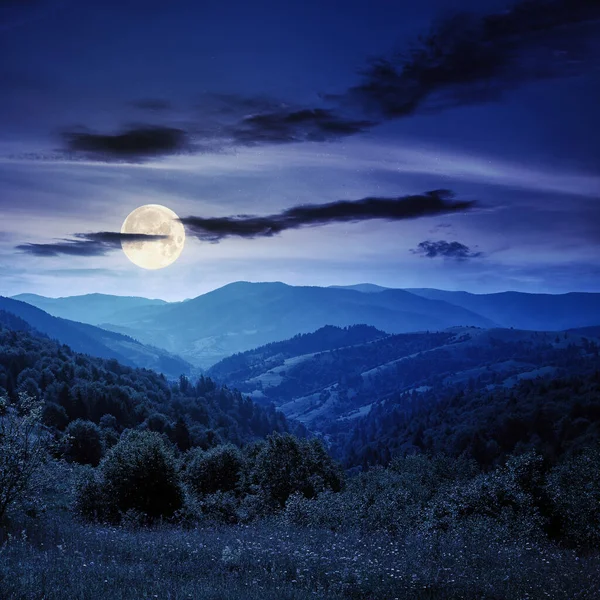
(237, 115)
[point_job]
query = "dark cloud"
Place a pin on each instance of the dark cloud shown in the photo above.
(305, 125)
(137, 143)
(214, 229)
(87, 244)
(465, 59)
(470, 60)
(454, 250)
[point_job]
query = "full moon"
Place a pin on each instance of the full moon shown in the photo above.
(153, 219)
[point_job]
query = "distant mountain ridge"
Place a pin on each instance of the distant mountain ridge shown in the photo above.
(95, 341)
(241, 316)
(367, 288)
(89, 308)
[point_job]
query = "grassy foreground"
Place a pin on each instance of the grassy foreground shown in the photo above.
(273, 560)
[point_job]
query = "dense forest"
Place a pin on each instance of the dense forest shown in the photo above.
(244, 365)
(553, 416)
(115, 397)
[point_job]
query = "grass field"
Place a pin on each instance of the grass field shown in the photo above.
(271, 560)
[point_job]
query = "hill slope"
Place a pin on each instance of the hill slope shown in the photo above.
(242, 316)
(77, 386)
(95, 341)
(329, 388)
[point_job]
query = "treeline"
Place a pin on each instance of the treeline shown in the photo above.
(523, 500)
(142, 479)
(244, 365)
(553, 416)
(111, 398)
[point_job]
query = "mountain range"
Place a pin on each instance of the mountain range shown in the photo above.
(242, 315)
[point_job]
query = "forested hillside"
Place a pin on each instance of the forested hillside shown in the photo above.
(242, 315)
(133, 482)
(76, 386)
(553, 416)
(244, 365)
(329, 389)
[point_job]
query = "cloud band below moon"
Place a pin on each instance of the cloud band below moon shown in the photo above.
(87, 244)
(215, 229)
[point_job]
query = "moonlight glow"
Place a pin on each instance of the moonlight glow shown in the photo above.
(154, 219)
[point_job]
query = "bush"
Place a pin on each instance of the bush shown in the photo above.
(22, 449)
(286, 464)
(391, 500)
(508, 496)
(138, 474)
(219, 469)
(83, 443)
(573, 488)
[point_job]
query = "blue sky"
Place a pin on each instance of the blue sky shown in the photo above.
(78, 74)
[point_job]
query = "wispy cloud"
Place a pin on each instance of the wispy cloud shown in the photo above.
(464, 59)
(153, 104)
(87, 244)
(444, 249)
(132, 144)
(436, 202)
(467, 59)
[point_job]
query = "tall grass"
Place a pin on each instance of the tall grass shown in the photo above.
(61, 559)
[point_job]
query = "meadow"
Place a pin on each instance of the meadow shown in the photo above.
(61, 558)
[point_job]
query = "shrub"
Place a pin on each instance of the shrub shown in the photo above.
(219, 469)
(286, 464)
(22, 449)
(573, 488)
(83, 442)
(507, 496)
(138, 474)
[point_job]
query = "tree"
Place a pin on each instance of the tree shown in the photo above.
(181, 435)
(286, 464)
(83, 442)
(22, 448)
(138, 474)
(219, 469)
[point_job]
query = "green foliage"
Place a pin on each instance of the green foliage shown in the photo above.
(245, 365)
(76, 386)
(550, 416)
(286, 464)
(55, 416)
(138, 474)
(391, 500)
(573, 488)
(508, 497)
(220, 469)
(23, 447)
(83, 441)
